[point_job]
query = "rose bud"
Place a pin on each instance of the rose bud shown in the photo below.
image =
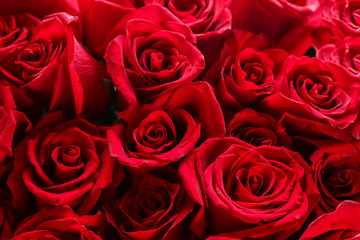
(61, 163)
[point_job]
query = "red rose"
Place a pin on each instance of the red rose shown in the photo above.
(156, 206)
(342, 17)
(59, 223)
(345, 52)
(16, 30)
(341, 224)
(246, 191)
(257, 129)
(320, 95)
(165, 131)
(61, 163)
(150, 53)
(336, 172)
(245, 71)
(53, 69)
(13, 124)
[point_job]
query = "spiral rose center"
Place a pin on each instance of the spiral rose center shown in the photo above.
(70, 155)
(254, 72)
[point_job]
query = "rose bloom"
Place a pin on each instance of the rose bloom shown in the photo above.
(342, 17)
(245, 72)
(343, 223)
(54, 70)
(165, 131)
(61, 163)
(244, 191)
(155, 206)
(258, 129)
(59, 223)
(150, 53)
(320, 95)
(13, 124)
(336, 172)
(345, 52)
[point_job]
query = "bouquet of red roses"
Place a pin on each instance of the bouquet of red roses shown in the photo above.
(170, 119)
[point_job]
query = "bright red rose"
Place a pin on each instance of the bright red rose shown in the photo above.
(320, 95)
(245, 72)
(54, 70)
(165, 131)
(345, 52)
(156, 206)
(13, 125)
(61, 163)
(150, 53)
(59, 223)
(341, 224)
(244, 191)
(336, 171)
(258, 129)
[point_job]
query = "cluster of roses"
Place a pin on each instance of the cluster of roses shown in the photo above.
(171, 119)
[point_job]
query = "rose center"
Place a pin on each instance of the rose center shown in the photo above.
(70, 155)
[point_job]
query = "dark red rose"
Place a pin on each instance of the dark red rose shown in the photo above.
(336, 171)
(156, 206)
(13, 124)
(345, 52)
(245, 71)
(165, 131)
(320, 95)
(59, 223)
(7, 214)
(150, 53)
(341, 224)
(244, 191)
(258, 129)
(61, 163)
(53, 69)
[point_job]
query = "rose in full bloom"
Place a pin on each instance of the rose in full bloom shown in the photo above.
(336, 172)
(156, 206)
(244, 191)
(61, 163)
(53, 69)
(150, 53)
(258, 129)
(320, 95)
(246, 70)
(165, 131)
(341, 224)
(13, 124)
(59, 223)
(345, 52)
